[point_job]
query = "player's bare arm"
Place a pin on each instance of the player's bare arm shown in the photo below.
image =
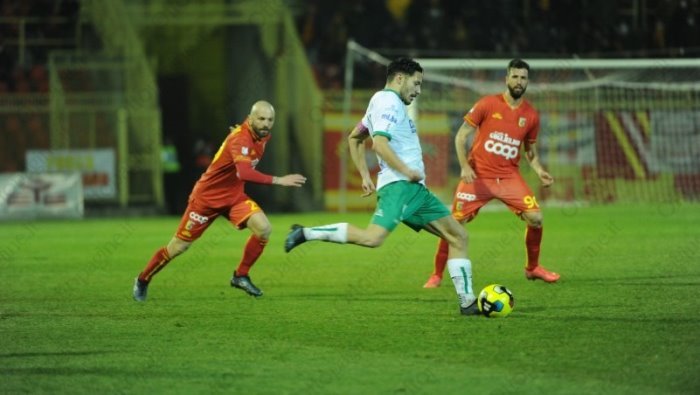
(467, 173)
(356, 144)
(533, 159)
(382, 148)
(290, 180)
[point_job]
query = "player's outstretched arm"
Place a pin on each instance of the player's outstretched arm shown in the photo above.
(533, 159)
(290, 180)
(466, 173)
(382, 148)
(356, 145)
(246, 172)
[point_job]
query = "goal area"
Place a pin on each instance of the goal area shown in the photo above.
(612, 130)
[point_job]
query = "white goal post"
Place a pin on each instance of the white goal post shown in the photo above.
(612, 130)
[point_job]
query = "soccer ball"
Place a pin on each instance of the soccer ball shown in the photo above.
(495, 300)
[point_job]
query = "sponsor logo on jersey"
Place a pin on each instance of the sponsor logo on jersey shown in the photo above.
(244, 151)
(379, 213)
(469, 197)
(521, 122)
(389, 118)
(201, 219)
(504, 138)
(504, 150)
(413, 126)
(497, 115)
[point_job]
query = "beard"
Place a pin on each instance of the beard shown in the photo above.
(260, 132)
(515, 94)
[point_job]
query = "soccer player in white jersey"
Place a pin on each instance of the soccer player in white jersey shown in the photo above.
(401, 192)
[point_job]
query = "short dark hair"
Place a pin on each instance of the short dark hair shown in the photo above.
(402, 65)
(517, 64)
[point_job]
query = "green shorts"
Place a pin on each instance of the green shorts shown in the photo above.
(408, 202)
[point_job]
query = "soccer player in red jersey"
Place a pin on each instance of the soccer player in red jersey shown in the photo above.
(503, 124)
(220, 191)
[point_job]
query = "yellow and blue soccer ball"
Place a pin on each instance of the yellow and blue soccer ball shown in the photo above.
(495, 300)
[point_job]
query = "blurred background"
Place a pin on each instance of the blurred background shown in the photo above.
(133, 97)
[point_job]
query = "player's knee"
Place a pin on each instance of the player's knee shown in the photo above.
(260, 226)
(373, 240)
(175, 249)
(533, 219)
(458, 238)
(263, 231)
(460, 242)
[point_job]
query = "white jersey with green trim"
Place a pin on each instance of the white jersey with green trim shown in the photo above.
(387, 116)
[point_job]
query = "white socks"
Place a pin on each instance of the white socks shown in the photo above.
(461, 273)
(337, 233)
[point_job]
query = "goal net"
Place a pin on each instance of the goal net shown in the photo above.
(612, 130)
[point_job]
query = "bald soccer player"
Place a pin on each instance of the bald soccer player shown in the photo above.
(220, 192)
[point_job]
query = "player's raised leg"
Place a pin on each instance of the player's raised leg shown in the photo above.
(157, 262)
(342, 233)
(192, 225)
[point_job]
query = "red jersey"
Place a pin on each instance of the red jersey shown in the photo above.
(501, 130)
(222, 185)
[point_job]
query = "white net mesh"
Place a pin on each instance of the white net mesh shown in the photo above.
(611, 130)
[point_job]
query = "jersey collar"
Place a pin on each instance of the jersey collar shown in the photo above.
(391, 90)
(512, 107)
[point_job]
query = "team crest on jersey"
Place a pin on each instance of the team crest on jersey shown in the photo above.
(244, 151)
(521, 122)
(497, 116)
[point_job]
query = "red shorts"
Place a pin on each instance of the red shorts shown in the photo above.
(514, 192)
(198, 217)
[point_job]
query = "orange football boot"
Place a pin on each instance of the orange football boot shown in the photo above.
(541, 273)
(433, 282)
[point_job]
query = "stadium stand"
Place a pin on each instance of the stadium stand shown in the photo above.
(28, 31)
(542, 28)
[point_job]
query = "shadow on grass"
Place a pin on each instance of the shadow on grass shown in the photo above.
(555, 313)
(48, 354)
(680, 279)
(62, 371)
(388, 297)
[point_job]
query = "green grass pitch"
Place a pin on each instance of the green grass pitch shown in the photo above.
(348, 320)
